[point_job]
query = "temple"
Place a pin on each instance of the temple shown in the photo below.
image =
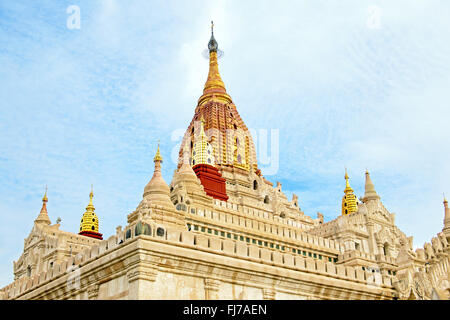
(221, 230)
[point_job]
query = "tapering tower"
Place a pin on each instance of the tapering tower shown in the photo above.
(349, 201)
(156, 203)
(157, 191)
(89, 221)
(369, 190)
(231, 144)
(446, 229)
(43, 218)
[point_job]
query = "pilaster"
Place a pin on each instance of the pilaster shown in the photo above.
(212, 289)
(269, 294)
(140, 281)
(92, 291)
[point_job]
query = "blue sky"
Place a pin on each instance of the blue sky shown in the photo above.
(87, 106)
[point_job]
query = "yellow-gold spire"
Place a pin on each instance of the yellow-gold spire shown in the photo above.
(45, 199)
(347, 184)
(349, 201)
(89, 221)
(158, 156)
(214, 85)
(202, 152)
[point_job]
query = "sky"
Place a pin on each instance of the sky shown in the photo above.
(345, 84)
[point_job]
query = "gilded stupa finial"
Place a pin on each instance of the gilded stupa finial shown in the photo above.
(214, 86)
(349, 201)
(347, 183)
(45, 199)
(89, 222)
(90, 206)
(158, 156)
(445, 200)
(44, 202)
(91, 194)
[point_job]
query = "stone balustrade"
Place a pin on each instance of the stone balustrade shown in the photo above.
(228, 247)
(315, 241)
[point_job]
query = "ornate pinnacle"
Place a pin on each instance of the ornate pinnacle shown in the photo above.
(45, 199)
(212, 45)
(158, 156)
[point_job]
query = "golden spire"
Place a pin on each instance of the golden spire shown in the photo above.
(89, 221)
(349, 201)
(158, 156)
(43, 215)
(157, 160)
(202, 152)
(214, 85)
(347, 184)
(45, 199)
(91, 195)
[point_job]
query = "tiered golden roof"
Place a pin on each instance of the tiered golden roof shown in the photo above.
(349, 201)
(202, 152)
(89, 221)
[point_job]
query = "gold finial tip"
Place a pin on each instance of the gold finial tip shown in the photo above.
(45, 199)
(445, 200)
(158, 156)
(346, 174)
